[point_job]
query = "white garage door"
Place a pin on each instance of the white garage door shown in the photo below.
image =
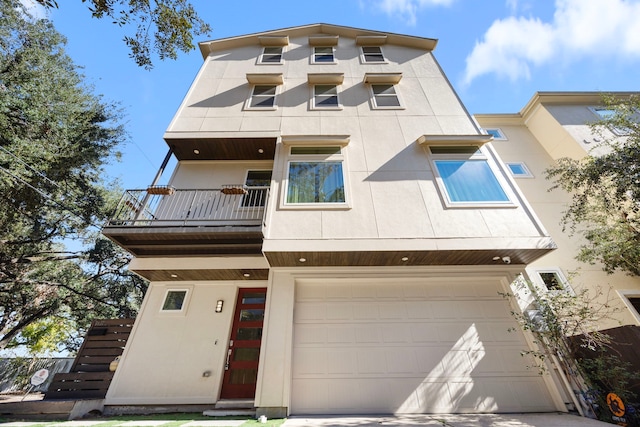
(411, 346)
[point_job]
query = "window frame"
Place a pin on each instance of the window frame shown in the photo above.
(263, 54)
(497, 134)
(615, 130)
(374, 102)
(184, 304)
(249, 188)
(340, 157)
(314, 55)
(252, 96)
(479, 155)
(363, 55)
(314, 97)
(626, 296)
(526, 172)
(536, 276)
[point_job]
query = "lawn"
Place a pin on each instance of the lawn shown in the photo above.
(154, 420)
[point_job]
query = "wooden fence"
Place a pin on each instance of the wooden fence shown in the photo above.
(89, 377)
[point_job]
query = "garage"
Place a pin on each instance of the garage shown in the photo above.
(410, 345)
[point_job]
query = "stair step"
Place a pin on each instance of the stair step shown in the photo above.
(230, 412)
(235, 404)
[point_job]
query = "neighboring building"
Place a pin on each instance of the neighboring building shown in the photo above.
(554, 125)
(335, 239)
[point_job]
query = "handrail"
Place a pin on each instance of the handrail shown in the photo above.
(232, 205)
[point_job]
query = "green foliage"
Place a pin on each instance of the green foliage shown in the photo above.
(565, 326)
(605, 190)
(55, 135)
(163, 27)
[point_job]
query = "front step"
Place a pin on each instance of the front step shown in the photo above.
(235, 404)
(232, 407)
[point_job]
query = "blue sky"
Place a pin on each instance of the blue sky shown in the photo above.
(496, 53)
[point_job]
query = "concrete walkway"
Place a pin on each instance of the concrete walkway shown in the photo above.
(470, 420)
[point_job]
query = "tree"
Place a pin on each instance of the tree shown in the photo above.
(605, 190)
(163, 27)
(55, 136)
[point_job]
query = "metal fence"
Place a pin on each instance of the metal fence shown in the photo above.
(15, 373)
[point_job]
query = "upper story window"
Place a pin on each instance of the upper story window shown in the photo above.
(263, 97)
(325, 96)
(384, 96)
(519, 170)
(372, 54)
(323, 55)
(271, 55)
(315, 176)
(604, 113)
(466, 177)
(496, 133)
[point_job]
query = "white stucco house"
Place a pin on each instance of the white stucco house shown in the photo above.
(334, 239)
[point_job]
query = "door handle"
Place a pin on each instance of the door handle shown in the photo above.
(226, 367)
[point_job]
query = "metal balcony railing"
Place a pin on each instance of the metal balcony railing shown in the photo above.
(161, 206)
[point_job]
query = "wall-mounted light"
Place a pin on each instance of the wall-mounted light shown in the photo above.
(196, 151)
(219, 305)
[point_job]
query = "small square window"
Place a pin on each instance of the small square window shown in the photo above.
(263, 96)
(466, 178)
(271, 55)
(323, 55)
(372, 54)
(174, 300)
(325, 96)
(519, 170)
(497, 134)
(385, 96)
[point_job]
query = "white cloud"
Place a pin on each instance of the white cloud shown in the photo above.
(35, 9)
(579, 28)
(408, 9)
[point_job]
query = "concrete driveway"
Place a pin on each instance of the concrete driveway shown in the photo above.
(467, 420)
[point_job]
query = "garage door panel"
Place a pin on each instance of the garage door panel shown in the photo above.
(412, 348)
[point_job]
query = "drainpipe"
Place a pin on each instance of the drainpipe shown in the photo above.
(145, 200)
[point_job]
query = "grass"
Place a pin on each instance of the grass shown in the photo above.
(174, 420)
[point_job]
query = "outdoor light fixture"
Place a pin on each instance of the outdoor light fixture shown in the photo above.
(405, 258)
(196, 151)
(219, 306)
(174, 276)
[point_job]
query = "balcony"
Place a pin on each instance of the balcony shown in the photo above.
(163, 221)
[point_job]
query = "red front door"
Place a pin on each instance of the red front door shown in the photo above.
(241, 369)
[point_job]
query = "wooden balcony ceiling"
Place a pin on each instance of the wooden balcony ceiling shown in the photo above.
(395, 258)
(170, 241)
(223, 148)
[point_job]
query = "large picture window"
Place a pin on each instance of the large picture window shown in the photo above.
(315, 176)
(465, 176)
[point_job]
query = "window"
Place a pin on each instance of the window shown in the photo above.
(551, 279)
(465, 176)
(263, 96)
(257, 184)
(372, 54)
(496, 133)
(315, 176)
(174, 300)
(323, 55)
(385, 96)
(325, 96)
(519, 170)
(271, 55)
(608, 114)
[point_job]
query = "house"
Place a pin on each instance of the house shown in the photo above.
(334, 239)
(554, 125)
